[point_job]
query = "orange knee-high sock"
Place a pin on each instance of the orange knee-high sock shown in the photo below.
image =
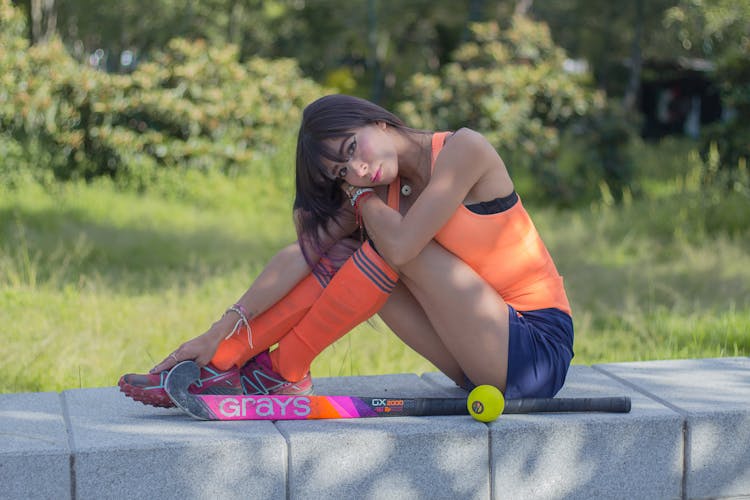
(270, 326)
(357, 291)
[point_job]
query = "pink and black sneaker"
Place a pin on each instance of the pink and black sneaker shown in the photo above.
(259, 377)
(256, 377)
(149, 388)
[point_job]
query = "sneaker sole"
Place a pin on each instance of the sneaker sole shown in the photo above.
(162, 400)
(146, 397)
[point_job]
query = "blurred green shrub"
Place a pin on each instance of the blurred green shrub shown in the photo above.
(719, 31)
(192, 105)
(511, 85)
(731, 137)
(595, 158)
(725, 191)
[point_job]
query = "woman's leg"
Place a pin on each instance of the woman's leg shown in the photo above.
(406, 318)
(270, 326)
(469, 319)
(357, 291)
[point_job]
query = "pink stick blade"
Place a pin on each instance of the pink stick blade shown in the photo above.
(260, 407)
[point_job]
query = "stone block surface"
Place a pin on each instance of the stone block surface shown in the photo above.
(713, 395)
(687, 436)
(587, 455)
(34, 452)
(395, 457)
(125, 450)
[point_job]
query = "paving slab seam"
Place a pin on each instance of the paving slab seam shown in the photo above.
(489, 462)
(431, 382)
(71, 445)
(674, 408)
(287, 485)
(730, 497)
(643, 391)
(685, 456)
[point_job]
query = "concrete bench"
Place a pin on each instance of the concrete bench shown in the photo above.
(688, 436)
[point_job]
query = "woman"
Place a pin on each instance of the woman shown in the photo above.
(451, 262)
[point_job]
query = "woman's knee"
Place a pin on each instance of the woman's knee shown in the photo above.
(433, 257)
(338, 254)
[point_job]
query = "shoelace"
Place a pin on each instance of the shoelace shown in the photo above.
(258, 385)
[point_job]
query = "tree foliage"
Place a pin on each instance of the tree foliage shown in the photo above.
(511, 84)
(603, 33)
(368, 47)
(716, 32)
(200, 90)
(193, 105)
(720, 31)
(146, 26)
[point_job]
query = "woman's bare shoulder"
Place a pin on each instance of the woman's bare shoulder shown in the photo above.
(471, 146)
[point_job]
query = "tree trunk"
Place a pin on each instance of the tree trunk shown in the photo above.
(43, 16)
(234, 28)
(636, 61)
(376, 90)
(476, 8)
(523, 7)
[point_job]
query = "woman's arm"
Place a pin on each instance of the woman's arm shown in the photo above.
(282, 273)
(465, 161)
(285, 269)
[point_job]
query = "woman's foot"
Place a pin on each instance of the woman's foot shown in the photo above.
(149, 388)
(257, 376)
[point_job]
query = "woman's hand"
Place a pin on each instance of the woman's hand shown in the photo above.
(200, 349)
(348, 189)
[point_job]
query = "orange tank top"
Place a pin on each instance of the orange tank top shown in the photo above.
(503, 248)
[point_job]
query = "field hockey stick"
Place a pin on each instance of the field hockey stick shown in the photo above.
(280, 407)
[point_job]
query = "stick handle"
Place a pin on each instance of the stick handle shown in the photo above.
(457, 406)
(619, 404)
(439, 406)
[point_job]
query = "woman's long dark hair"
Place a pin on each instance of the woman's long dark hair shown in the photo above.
(318, 197)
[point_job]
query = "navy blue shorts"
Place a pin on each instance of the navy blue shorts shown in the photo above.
(540, 348)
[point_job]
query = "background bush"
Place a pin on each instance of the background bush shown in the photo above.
(194, 106)
(511, 84)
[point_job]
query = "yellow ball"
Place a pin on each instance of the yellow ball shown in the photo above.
(485, 403)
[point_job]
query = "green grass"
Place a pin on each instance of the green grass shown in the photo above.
(96, 281)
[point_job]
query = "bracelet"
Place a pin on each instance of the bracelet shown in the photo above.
(243, 314)
(359, 192)
(361, 199)
(358, 213)
(242, 309)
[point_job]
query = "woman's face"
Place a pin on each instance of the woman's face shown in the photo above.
(372, 158)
